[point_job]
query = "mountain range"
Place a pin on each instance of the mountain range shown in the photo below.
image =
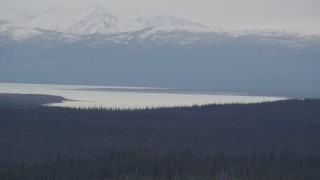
(92, 20)
(93, 46)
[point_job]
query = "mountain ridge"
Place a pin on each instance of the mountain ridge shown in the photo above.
(92, 20)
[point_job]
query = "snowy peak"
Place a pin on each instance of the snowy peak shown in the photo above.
(89, 20)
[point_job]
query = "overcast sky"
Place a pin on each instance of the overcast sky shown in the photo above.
(295, 15)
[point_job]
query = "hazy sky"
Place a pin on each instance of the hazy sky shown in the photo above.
(296, 15)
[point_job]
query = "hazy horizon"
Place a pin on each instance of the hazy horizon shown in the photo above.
(291, 15)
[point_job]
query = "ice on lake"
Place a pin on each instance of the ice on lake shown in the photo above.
(130, 97)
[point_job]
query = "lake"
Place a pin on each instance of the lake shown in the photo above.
(130, 97)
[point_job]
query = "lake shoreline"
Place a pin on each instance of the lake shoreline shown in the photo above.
(132, 97)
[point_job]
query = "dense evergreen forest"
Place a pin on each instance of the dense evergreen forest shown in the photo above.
(27, 100)
(275, 140)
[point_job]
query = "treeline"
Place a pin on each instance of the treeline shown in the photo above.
(276, 140)
(27, 100)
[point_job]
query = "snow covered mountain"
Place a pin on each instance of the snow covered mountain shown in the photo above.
(11, 32)
(92, 20)
(78, 21)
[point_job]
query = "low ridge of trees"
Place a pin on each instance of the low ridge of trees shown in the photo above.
(27, 100)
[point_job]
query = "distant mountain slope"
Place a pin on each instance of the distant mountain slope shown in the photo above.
(79, 21)
(92, 20)
(17, 32)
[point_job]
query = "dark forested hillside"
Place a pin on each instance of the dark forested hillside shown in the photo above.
(278, 140)
(27, 100)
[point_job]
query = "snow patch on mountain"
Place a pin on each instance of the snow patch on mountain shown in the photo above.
(17, 32)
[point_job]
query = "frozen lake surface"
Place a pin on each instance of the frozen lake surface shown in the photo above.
(130, 97)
